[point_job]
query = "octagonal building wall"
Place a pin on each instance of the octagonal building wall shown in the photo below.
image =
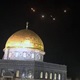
(33, 70)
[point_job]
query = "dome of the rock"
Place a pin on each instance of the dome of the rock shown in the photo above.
(25, 38)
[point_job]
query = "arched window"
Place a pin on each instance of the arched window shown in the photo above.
(32, 55)
(10, 55)
(59, 76)
(46, 75)
(41, 74)
(24, 54)
(17, 73)
(2, 72)
(23, 75)
(30, 75)
(50, 75)
(17, 53)
(55, 76)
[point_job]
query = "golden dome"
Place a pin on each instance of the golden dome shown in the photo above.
(25, 39)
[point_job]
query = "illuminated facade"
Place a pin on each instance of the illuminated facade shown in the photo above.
(23, 59)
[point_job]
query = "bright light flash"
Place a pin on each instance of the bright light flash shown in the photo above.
(33, 9)
(65, 11)
(51, 16)
(54, 19)
(42, 16)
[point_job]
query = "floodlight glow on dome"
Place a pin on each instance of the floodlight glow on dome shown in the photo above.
(28, 43)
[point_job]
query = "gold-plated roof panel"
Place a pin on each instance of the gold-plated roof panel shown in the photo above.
(25, 39)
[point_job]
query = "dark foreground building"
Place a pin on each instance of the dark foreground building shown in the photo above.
(23, 59)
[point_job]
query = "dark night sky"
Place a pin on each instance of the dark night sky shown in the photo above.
(60, 37)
